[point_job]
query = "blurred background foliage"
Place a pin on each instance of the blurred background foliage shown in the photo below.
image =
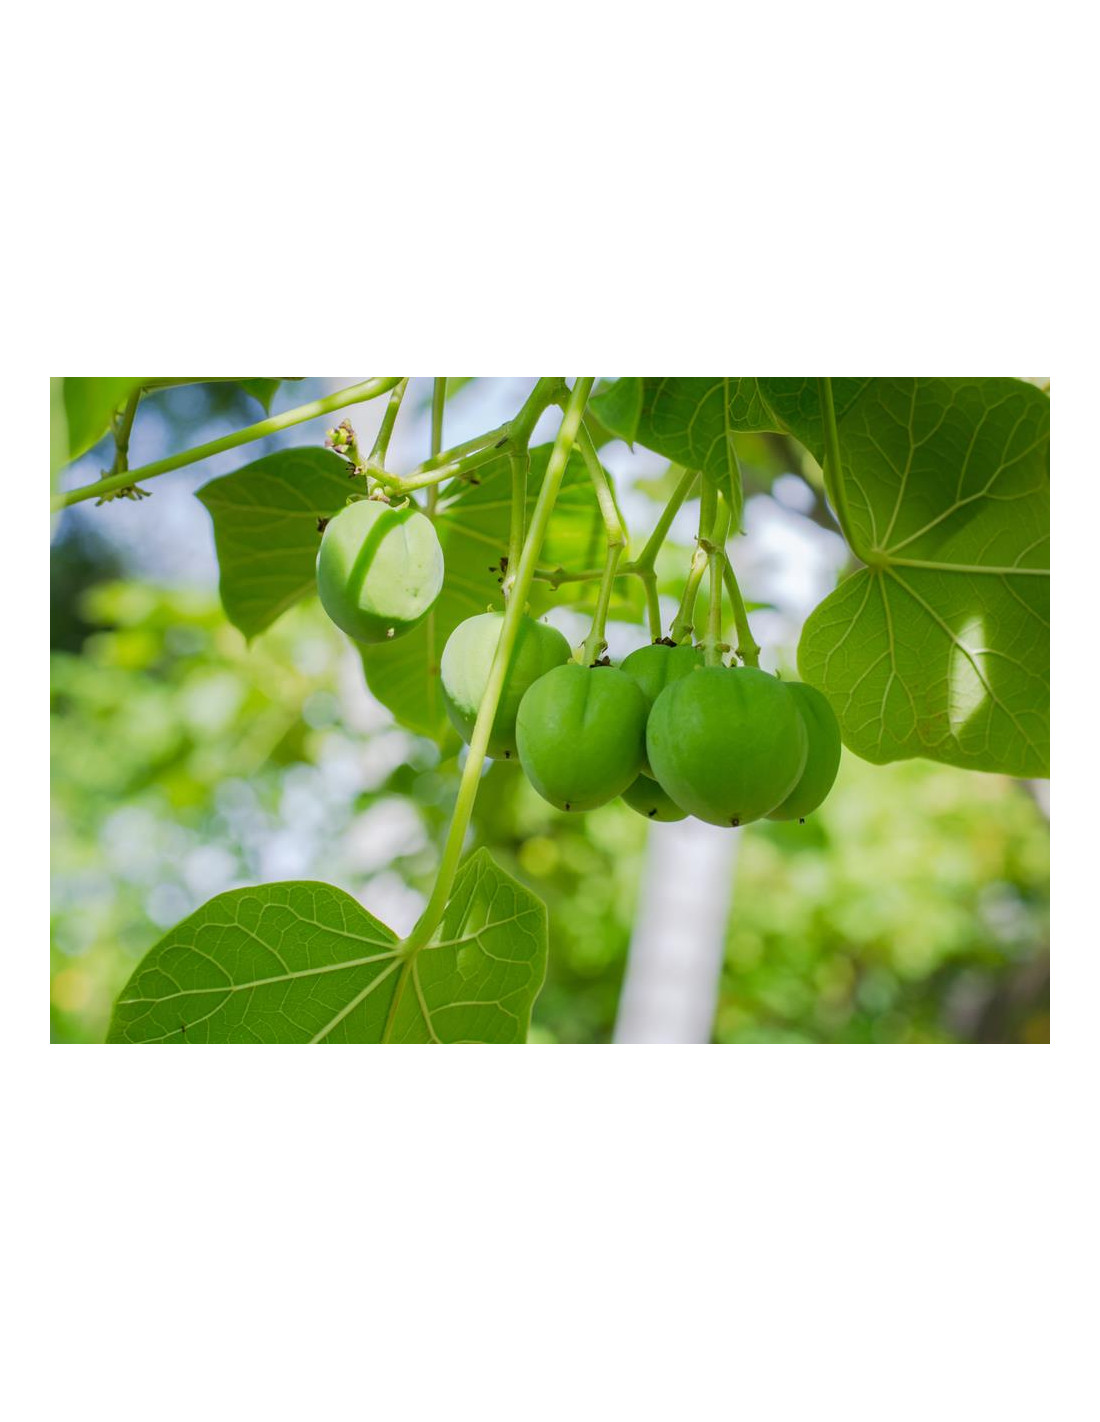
(914, 907)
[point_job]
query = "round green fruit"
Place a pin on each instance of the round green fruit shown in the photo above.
(822, 758)
(581, 734)
(655, 666)
(379, 570)
(464, 672)
(726, 744)
(647, 797)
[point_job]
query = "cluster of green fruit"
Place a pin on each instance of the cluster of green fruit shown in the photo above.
(669, 734)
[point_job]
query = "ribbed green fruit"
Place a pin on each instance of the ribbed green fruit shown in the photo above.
(378, 570)
(464, 673)
(647, 797)
(580, 733)
(822, 757)
(726, 744)
(655, 666)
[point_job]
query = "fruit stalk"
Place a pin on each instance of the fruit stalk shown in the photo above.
(594, 643)
(385, 430)
(747, 648)
(715, 546)
(708, 509)
(616, 542)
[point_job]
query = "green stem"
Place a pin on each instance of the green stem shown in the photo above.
(834, 474)
(712, 643)
(457, 469)
(616, 543)
(715, 545)
(605, 496)
(520, 463)
(652, 602)
(471, 775)
(121, 424)
(556, 576)
(708, 507)
(350, 395)
(549, 390)
(439, 401)
(747, 648)
(648, 556)
(594, 643)
(389, 419)
(495, 438)
(122, 428)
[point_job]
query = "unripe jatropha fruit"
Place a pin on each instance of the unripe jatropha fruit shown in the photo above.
(822, 757)
(378, 570)
(726, 744)
(580, 733)
(464, 672)
(647, 797)
(655, 666)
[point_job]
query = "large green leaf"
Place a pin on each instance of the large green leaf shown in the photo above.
(940, 647)
(303, 962)
(265, 530)
(82, 415)
(472, 522)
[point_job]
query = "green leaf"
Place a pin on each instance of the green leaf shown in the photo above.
(619, 407)
(303, 962)
(941, 646)
(692, 419)
(82, 416)
(261, 389)
(265, 530)
(690, 415)
(689, 420)
(472, 523)
(478, 982)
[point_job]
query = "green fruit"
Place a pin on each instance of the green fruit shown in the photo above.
(647, 797)
(464, 672)
(727, 744)
(655, 666)
(823, 755)
(378, 570)
(581, 733)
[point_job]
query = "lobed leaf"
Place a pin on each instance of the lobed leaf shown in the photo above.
(265, 530)
(303, 962)
(940, 647)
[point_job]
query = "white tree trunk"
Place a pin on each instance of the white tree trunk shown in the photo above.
(670, 991)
